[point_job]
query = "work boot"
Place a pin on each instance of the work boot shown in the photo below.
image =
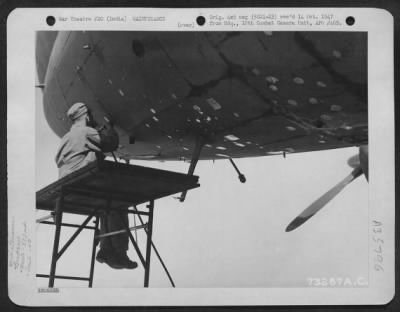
(128, 263)
(111, 258)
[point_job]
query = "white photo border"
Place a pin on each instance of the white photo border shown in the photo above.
(21, 27)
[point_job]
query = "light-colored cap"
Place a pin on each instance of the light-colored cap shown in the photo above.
(76, 111)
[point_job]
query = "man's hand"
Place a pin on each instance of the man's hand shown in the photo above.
(108, 136)
(108, 121)
(108, 125)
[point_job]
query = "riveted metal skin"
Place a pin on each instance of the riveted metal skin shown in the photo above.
(166, 89)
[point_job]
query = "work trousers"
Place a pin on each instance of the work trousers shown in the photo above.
(110, 222)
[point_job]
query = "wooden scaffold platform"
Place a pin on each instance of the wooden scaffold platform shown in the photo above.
(105, 186)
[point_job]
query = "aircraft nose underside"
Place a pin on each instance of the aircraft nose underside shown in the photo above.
(245, 93)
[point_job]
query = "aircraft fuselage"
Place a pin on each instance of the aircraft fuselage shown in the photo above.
(245, 94)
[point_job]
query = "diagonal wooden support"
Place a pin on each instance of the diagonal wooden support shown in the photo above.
(157, 253)
(75, 235)
(132, 239)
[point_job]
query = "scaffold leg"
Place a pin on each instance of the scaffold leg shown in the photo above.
(148, 245)
(95, 241)
(58, 221)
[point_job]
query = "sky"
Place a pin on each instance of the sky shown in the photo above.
(229, 234)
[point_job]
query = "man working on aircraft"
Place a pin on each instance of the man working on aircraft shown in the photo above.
(82, 145)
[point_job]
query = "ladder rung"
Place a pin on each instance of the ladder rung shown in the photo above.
(65, 277)
(69, 225)
(122, 231)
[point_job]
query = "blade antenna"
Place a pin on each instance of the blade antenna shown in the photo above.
(241, 176)
(195, 158)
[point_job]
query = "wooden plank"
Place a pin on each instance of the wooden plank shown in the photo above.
(127, 185)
